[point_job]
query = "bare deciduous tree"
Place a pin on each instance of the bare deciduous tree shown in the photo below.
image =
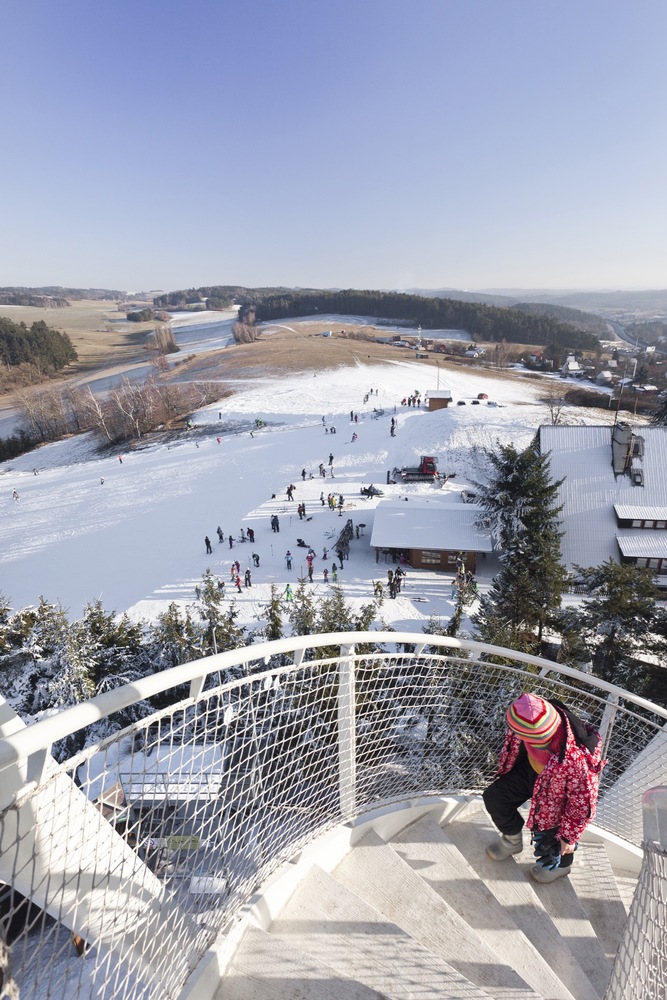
(555, 401)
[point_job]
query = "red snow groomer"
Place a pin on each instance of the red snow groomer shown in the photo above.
(426, 471)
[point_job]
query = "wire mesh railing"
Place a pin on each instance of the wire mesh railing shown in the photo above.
(640, 968)
(122, 864)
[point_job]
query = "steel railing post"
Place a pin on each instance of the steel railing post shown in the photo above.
(346, 731)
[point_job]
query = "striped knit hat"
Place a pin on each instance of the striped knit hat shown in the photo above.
(535, 720)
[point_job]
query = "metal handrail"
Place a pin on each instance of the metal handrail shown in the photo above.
(291, 748)
(43, 734)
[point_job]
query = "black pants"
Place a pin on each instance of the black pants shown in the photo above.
(502, 800)
(503, 797)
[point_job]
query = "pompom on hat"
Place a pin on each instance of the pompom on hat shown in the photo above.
(535, 720)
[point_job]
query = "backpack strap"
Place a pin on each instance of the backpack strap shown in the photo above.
(584, 733)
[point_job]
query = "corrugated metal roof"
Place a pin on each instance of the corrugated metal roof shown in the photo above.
(636, 512)
(415, 524)
(582, 456)
(642, 544)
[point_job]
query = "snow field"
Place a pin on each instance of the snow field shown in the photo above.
(137, 540)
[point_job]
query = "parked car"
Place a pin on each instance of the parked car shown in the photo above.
(475, 402)
(461, 402)
(482, 395)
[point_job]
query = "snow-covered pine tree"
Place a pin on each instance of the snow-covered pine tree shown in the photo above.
(274, 616)
(5, 620)
(659, 415)
(174, 638)
(115, 645)
(302, 611)
(621, 627)
(520, 501)
(220, 629)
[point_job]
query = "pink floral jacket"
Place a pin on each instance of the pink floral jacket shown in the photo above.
(566, 792)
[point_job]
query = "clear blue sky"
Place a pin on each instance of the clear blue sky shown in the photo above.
(361, 143)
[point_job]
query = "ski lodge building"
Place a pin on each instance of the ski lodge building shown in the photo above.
(431, 534)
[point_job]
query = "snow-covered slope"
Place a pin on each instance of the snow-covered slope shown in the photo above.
(136, 540)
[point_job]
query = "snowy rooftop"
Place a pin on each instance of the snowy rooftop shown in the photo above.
(591, 492)
(424, 524)
(643, 544)
(640, 512)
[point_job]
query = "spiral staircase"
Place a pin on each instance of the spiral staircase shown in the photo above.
(424, 913)
(302, 819)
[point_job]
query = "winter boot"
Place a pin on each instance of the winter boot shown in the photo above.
(545, 875)
(505, 846)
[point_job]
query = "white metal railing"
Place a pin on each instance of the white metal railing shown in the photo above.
(144, 845)
(640, 968)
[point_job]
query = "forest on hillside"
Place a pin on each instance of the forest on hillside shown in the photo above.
(480, 320)
(564, 314)
(39, 345)
(53, 296)
(215, 296)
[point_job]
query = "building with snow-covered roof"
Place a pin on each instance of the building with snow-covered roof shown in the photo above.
(438, 399)
(433, 534)
(613, 493)
(571, 366)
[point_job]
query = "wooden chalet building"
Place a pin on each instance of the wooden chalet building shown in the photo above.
(432, 534)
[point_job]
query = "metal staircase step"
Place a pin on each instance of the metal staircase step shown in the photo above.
(266, 967)
(375, 872)
(336, 927)
(427, 848)
(626, 886)
(569, 915)
(511, 887)
(599, 893)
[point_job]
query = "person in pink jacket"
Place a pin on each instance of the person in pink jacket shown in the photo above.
(552, 758)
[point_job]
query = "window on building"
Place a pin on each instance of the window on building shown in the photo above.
(431, 558)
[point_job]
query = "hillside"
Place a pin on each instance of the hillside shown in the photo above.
(136, 539)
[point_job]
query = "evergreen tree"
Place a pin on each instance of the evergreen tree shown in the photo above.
(5, 625)
(48, 630)
(455, 621)
(302, 611)
(274, 617)
(660, 412)
(620, 624)
(520, 502)
(115, 646)
(220, 631)
(174, 638)
(72, 663)
(335, 615)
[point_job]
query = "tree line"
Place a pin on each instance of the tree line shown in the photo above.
(48, 661)
(565, 314)
(214, 296)
(40, 346)
(481, 321)
(524, 324)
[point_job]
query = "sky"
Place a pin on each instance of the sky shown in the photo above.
(131, 533)
(358, 143)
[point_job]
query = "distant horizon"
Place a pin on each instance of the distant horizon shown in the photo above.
(488, 290)
(378, 145)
